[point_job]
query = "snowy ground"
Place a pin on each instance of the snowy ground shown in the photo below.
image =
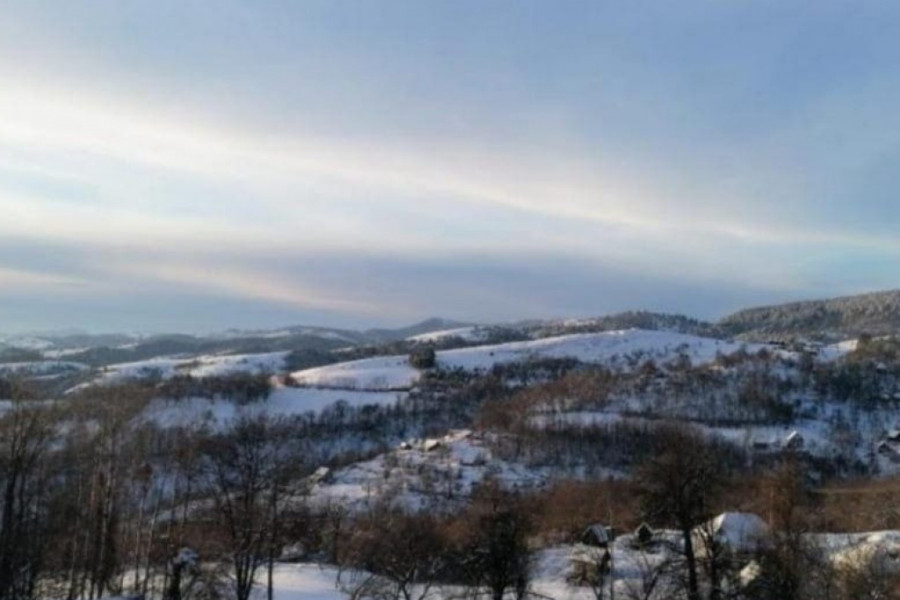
(284, 401)
(380, 373)
(422, 473)
(554, 566)
(304, 582)
(612, 348)
(198, 366)
(43, 368)
(469, 334)
(433, 473)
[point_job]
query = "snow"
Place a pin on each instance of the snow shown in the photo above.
(200, 366)
(469, 334)
(304, 582)
(553, 567)
(374, 374)
(837, 351)
(423, 474)
(62, 353)
(284, 401)
(42, 368)
(26, 342)
(610, 348)
(739, 531)
(883, 551)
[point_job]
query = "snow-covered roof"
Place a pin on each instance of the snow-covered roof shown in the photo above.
(794, 438)
(598, 533)
(739, 531)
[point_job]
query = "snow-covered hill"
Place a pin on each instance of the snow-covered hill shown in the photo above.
(612, 348)
(469, 334)
(437, 473)
(282, 402)
(199, 366)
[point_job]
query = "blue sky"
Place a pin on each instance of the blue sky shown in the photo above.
(202, 165)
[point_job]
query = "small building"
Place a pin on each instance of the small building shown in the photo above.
(794, 441)
(598, 535)
(893, 435)
(321, 475)
(888, 450)
(643, 535)
(739, 533)
(431, 445)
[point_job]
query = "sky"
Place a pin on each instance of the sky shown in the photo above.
(196, 165)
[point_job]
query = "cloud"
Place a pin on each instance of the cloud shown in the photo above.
(99, 135)
(17, 281)
(254, 284)
(342, 172)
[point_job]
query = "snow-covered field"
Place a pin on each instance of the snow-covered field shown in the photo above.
(199, 366)
(284, 401)
(554, 566)
(610, 348)
(469, 334)
(43, 368)
(379, 373)
(304, 582)
(429, 473)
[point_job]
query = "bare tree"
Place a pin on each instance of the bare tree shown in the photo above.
(498, 557)
(593, 568)
(26, 433)
(245, 470)
(678, 486)
(654, 577)
(404, 550)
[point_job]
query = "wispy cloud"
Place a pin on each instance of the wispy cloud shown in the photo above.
(219, 177)
(247, 284)
(18, 281)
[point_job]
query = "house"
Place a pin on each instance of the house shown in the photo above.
(643, 535)
(737, 532)
(321, 475)
(888, 450)
(893, 435)
(598, 535)
(794, 441)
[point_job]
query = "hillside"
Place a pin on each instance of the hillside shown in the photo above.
(614, 349)
(848, 317)
(634, 319)
(367, 448)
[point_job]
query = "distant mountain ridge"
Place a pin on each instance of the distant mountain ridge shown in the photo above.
(105, 349)
(876, 313)
(430, 325)
(828, 320)
(639, 319)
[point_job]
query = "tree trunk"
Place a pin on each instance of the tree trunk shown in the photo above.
(693, 583)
